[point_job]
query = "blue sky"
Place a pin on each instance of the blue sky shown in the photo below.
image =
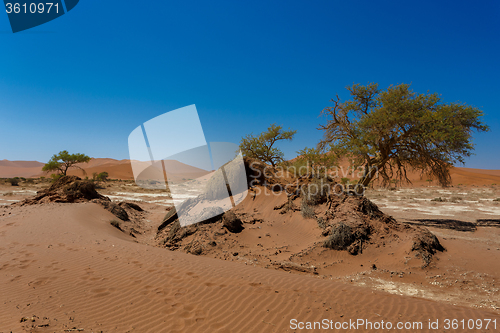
(84, 81)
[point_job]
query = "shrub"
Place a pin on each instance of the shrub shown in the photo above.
(321, 222)
(55, 177)
(439, 199)
(116, 224)
(306, 210)
(340, 238)
(298, 167)
(103, 176)
(13, 181)
(316, 192)
(497, 199)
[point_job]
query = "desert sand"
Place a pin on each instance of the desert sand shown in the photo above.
(66, 267)
(63, 266)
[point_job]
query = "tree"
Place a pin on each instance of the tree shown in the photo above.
(262, 147)
(102, 177)
(318, 160)
(63, 161)
(394, 130)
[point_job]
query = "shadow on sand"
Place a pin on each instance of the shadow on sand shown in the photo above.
(488, 223)
(444, 224)
(455, 224)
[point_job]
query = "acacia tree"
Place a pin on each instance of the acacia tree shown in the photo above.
(318, 160)
(63, 161)
(394, 130)
(262, 146)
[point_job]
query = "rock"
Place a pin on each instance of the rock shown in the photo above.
(131, 205)
(115, 209)
(231, 222)
(425, 244)
(170, 217)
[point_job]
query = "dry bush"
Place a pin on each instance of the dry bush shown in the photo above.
(321, 222)
(316, 192)
(307, 210)
(116, 224)
(340, 237)
(13, 181)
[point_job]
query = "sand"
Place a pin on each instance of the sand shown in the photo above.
(64, 267)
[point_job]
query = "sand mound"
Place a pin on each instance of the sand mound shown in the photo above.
(67, 189)
(344, 222)
(352, 224)
(72, 189)
(355, 223)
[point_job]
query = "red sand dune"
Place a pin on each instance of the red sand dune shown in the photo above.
(459, 175)
(121, 169)
(9, 169)
(117, 169)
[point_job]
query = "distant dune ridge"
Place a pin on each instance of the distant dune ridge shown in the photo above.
(10, 169)
(122, 169)
(117, 169)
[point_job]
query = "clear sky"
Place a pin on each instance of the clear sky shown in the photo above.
(86, 80)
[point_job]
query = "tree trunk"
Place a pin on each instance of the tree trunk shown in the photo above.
(371, 170)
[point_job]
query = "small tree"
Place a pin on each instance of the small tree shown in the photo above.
(102, 177)
(63, 161)
(392, 130)
(317, 160)
(262, 147)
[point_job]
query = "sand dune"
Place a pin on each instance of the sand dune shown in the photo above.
(121, 169)
(19, 168)
(117, 169)
(65, 267)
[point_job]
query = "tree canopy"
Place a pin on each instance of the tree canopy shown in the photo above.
(62, 161)
(100, 177)
(394, 130)
(262, 146)
(317, 160)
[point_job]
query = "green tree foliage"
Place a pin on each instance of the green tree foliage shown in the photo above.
(262, 147)
(63, 161)
(316, 159)
(395, 130)
(102, 177)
